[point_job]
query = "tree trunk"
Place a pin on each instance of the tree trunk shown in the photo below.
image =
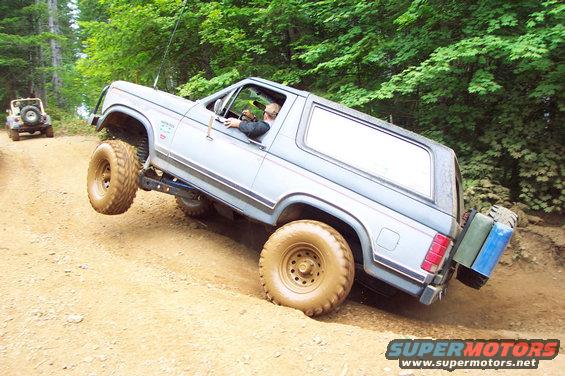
(56, 55)
(38, 78)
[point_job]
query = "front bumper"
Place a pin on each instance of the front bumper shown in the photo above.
(93, 119)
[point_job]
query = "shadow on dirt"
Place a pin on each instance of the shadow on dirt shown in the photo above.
(497, 306)
(462, 307)
(254, 236)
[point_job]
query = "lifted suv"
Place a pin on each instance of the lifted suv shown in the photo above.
(348, 194)
(27, 116)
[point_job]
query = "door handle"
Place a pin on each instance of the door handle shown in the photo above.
(257, 143)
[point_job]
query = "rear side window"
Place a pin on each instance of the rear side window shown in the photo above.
(370, 150)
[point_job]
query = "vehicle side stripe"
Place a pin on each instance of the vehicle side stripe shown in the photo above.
(223, 180)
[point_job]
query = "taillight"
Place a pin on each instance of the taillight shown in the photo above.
(435, 254)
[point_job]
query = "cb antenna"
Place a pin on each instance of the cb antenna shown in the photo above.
(169, 45)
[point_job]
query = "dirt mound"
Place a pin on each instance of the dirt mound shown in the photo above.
(537, 247)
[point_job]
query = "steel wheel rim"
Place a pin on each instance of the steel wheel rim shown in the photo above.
(302, 268)
(31, 116)
(102, 177)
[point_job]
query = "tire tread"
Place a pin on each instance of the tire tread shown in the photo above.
(347, 266)
(124, 178)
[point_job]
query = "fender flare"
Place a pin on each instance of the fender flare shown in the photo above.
(101, 124)
(340, 213)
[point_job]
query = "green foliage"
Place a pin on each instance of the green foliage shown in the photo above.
(25, 53)
(482, 194)
(69, 124)
(483, 77)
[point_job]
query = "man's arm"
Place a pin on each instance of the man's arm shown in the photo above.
(254, 128)
(251, 129)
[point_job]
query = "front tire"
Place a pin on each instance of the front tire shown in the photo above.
(14, 135)
(307, 265)
(112, 177)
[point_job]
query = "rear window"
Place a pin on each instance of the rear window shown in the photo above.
(370, 150)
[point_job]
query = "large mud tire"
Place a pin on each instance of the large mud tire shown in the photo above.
(307, 265)
(197, 207)
(31, 115)
(112, 179)
(49, 132)
(14, 135)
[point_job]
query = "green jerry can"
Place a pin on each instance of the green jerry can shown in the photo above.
(473, 239)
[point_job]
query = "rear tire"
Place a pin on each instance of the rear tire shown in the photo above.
(307, 265)
(49, 132)
(14, 135)
(112, 179)
(197, 207)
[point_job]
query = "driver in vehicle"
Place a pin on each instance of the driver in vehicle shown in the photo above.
(255, 128)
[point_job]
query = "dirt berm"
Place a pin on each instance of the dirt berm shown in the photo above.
(151, 292)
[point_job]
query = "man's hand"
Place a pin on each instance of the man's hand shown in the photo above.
(248, 115)
(232, 123)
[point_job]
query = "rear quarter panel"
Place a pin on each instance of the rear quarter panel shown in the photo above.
(395, 244)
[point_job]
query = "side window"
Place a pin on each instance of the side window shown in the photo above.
(250, 98)
(249, 102)
(370, 150)
(226, 99)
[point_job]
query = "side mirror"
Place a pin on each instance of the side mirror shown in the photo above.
(217, 106)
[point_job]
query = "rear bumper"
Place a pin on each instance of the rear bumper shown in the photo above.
(29, 128)
(432, 293)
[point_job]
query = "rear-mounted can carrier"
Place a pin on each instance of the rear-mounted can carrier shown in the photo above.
(492, 249)
(473, 239)
(481, 247)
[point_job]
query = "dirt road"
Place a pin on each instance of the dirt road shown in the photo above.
(151, 292)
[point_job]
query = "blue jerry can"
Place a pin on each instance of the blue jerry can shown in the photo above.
(492, 249)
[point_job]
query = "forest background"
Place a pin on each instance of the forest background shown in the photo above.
(483, 77)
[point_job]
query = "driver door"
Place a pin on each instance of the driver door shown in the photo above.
(222, 162)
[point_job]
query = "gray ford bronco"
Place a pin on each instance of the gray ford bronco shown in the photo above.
(348, 195)
(27, 115)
